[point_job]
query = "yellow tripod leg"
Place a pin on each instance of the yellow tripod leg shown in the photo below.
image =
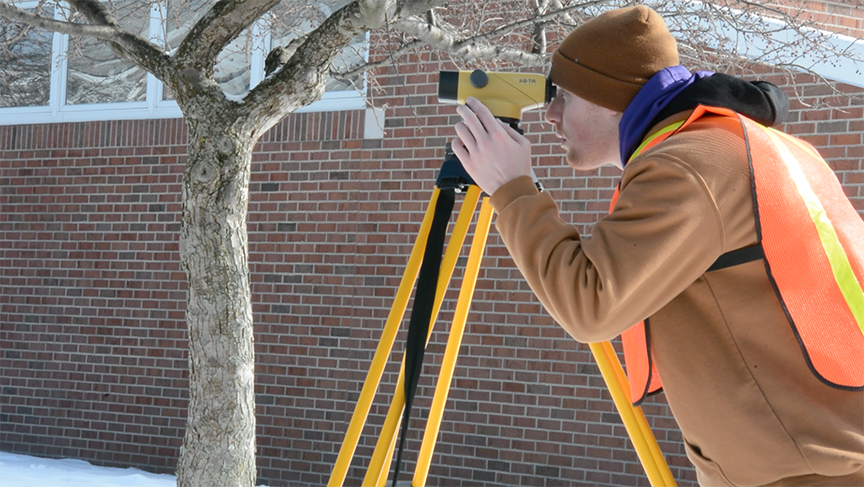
(665, 473)
(382, 478)
(454, 248)
(385, 344)
(634, 419)
(445, 377)
(376, 473)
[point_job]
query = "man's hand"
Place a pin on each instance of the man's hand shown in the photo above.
(491, 151)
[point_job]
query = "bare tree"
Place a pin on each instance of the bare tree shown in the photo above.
(219, 445)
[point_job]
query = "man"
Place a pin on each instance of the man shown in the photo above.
(766, 390)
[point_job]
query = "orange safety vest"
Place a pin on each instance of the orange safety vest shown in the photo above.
(812, 240)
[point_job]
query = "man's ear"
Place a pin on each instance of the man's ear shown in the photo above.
(615, 115)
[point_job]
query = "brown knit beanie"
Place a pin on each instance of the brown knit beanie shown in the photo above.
(607, 59)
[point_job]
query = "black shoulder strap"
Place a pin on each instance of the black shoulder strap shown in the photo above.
(736, 257)
(424, 302)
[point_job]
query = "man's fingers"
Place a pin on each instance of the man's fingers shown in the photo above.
(459, 149)
(482, 112)
(513, 133)
(491, 153)
(469, 118)
(466, 136)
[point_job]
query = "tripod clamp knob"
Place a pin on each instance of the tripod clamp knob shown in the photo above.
(452, 175)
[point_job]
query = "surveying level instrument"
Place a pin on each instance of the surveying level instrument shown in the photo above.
(507, 95)
(432, 272)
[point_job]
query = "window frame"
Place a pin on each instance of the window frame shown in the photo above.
(154, 107)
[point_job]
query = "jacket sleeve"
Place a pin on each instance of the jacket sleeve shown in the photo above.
(664, 233)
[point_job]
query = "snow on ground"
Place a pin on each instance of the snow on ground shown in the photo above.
(26, 471)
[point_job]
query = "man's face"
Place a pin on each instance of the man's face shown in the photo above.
(589, 132)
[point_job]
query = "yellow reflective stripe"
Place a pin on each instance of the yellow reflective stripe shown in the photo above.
(840, 266)
(663, 131)
(801, 145)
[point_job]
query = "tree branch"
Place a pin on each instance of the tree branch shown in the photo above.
(352, 72)
(103, 32)
(417, 7)
(300, 80)
(219, 26)
(466, 49)
(539, 19)
(539, 35)
(566, 14)
(103, 26)
(95, 12)
(428, 33)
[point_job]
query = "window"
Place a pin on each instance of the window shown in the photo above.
(50, 77)
(94, 74)
(26, 72)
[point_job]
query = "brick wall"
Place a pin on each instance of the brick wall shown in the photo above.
(841, 16)
(92, 297)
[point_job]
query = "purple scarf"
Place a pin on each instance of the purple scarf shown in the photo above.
(658, 92)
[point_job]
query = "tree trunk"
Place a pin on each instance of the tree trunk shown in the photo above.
(219, 447)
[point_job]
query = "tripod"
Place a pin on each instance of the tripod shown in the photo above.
(453, 178)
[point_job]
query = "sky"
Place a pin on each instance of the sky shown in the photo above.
(25, 471)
